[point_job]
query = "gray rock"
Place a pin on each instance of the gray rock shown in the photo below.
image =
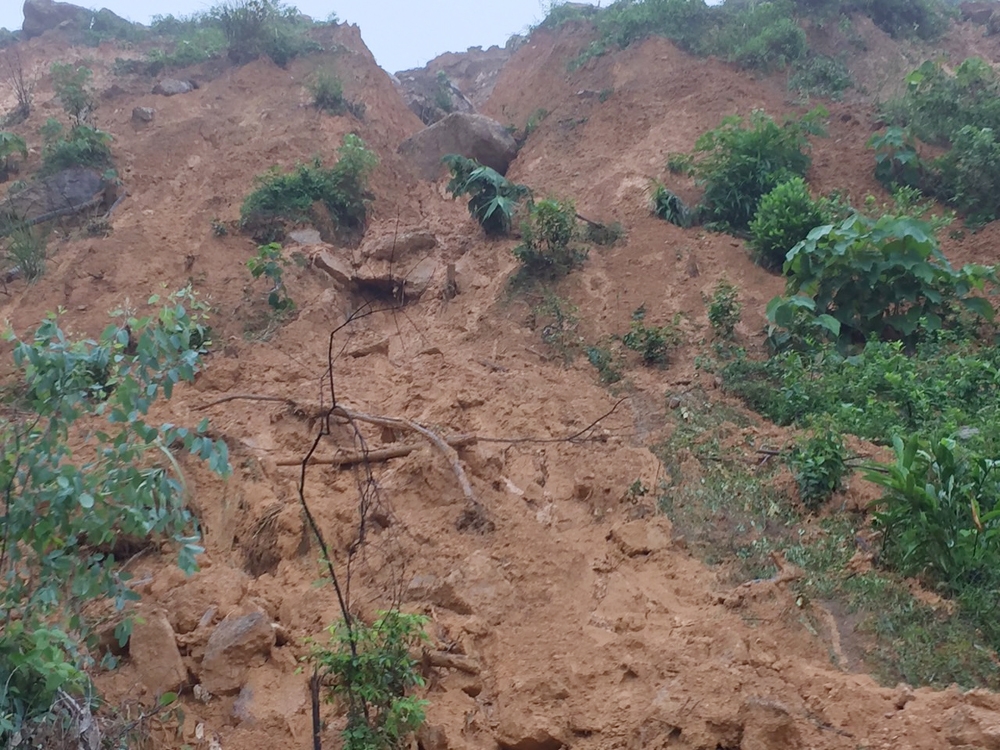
(469, 135)
(143, 115)
(153, 650)
(237, 644)
(172, 86)
(399, 246)
(62, 194)
(43, 15)
(977, 12)
(334, 267)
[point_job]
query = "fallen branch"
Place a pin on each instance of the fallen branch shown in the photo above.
(451, 661)
(384, 454)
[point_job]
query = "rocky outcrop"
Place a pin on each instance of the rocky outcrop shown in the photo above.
(42, 15)
(473, 136)
(431, 97)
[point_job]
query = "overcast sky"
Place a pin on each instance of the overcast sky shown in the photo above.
(401, 33)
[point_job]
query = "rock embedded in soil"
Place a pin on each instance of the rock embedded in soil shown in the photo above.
(142, 115)
(42, 15)
(237, 644)
(153, 650)
(173, 86)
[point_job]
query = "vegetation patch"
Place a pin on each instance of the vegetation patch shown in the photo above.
(819, 75)
(546, 252)
(492, 197)
(784, 218)
(282, 198)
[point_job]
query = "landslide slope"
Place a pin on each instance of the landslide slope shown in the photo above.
(593, 625)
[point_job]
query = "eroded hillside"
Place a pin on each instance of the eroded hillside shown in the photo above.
(578, 615)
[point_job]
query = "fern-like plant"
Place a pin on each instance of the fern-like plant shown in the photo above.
(492, 197)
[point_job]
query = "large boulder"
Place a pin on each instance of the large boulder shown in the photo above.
(62, 194)
(42, 15)
(469, 135)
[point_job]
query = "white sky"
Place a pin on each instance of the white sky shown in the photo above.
(400, 33)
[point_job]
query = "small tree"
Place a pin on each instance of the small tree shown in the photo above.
(492, 197)
(372, 671)
(66, 510)
(12, 70)
(11, 145)
(546, 252)
(72, 86)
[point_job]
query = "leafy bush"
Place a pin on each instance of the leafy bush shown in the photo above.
(652, 342)
(785, 217)
(607, 364)
(545, 252)
(327, 92)
(819, 75)
(269, 262)
(254, 28)
(940, 514)
(25, 251)
(492, 197)
(11, 145)
(923, 19)
(372, 671)
(740, 162)
(123, 482)
(761, 35)
(83, 146)
(289, 197)
(885, 278)
(72, 87)
(668, 206)
(724, 310)
(818, 464)
(969, 174)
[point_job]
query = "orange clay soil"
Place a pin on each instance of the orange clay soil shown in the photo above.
(592, 625)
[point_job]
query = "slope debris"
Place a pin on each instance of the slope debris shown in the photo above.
(605, 545)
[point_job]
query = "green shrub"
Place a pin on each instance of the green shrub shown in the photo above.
(442, 93)
(269, 262)
(819, 75)
(72, 87)
(254, 28)
(785, 216)
(370, 667)
(923, 19)
(11, 145)
(608, 366)
(492, 197)
(545, 252)
(668, 206)
(969, 174)
(761, 35)
(61, 567)
(289, 197)
(83, 146)
(740, 162)
(652, 342)
(724, 310)
(327, 92)
(25, 251)
(679, 163)
(818, 465)
(885, 278)
(940, 514)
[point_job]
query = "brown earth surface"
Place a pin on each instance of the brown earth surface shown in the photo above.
(593, 625)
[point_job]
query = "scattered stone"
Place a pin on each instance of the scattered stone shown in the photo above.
(767, 725)
(172, 86)
(973, 728)
(904, 694)
(431, 737)
(642, 537)
(153, 650)
(42, 15)
(526, 733)
(469, 135)
(236, 644)
(142, 115)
